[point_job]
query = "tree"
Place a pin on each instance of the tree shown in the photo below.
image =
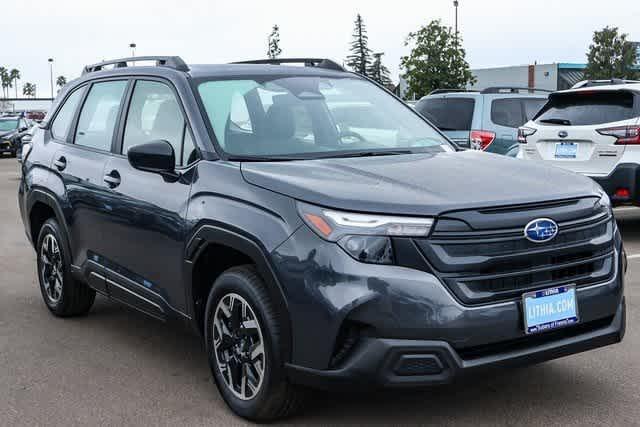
(61, 81)
(360, 58)
(378, 71)
(4, 81)
(611, 56)
(29, 89)
(14, 75)
(437, 60)
(274, 50)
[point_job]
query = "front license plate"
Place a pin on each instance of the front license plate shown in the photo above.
(566, 150)
(550, 309)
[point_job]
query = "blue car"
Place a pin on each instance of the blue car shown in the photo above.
(483, 120)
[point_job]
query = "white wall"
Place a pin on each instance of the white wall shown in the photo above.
(546, 77)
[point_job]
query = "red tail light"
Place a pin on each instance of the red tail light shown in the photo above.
(481, 139)
(625, 135)
(622, 193)
(523, 133)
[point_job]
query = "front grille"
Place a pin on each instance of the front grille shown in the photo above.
(490, 265)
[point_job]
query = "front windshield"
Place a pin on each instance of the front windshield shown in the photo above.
(312, 117)
(6, 125)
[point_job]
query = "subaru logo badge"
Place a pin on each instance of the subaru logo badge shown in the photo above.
(541, 230)
(563, 134)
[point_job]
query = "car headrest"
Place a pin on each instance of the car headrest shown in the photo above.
(280, 122)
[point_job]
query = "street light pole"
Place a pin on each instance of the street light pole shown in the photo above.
(50, 60)
(133, 49)
(455, 5)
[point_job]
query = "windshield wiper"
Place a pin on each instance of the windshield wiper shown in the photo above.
(554, 121)
(249, 158)
(364, 154)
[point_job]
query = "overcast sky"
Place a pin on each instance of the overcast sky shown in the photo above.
(495, 32)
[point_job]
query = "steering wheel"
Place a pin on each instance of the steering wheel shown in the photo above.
(351, 134)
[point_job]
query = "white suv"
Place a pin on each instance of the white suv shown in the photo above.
(594, 131)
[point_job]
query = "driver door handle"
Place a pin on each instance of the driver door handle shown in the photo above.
(61, 163)
(112, 179)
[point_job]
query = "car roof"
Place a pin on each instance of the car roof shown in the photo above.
(474, 94)
(625, 87)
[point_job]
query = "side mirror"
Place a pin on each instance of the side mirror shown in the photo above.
(156, 157)
(23, 129)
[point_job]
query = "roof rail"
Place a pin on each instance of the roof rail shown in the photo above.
(512, 89)
(174, 62)
(308, 62)
(440, 91)
(605, 82)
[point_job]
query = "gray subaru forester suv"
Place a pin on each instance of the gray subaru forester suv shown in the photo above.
(303, 248)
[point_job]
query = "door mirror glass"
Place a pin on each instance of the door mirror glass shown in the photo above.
(156, 156)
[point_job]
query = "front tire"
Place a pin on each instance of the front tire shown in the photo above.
(242, 339)
(63, 295)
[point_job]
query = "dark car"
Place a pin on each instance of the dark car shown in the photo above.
(12, 129)
(485, 120)
(308, 251)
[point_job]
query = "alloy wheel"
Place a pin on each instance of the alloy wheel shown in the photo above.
(239, 346)
(51, 269)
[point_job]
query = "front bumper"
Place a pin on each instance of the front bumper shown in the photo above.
(7, 147)
(625, 175)
(409, 317)
(380, 363)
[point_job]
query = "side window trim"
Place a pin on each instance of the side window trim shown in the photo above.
(122, 118)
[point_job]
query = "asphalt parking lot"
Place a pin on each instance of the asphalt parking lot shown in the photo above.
(118, 367)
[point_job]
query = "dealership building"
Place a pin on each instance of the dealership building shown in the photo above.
(541, 76)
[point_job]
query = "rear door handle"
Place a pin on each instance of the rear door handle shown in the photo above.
(60, 164)
(112, 179)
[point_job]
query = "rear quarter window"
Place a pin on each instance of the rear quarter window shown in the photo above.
(588, 108)
(448, 113)
(507, 112)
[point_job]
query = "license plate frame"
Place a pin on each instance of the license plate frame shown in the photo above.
(566, 150)
(564, 315)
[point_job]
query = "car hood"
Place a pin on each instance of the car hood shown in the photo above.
(418, 184)
(6, 134)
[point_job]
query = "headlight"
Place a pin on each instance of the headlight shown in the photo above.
(365, 237)
(605, 201)
(26, 149)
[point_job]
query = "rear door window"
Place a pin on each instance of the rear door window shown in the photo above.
(448, 113)
(99, 115)
(507, 112)
(588, 108)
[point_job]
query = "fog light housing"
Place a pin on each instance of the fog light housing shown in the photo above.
(369, 249)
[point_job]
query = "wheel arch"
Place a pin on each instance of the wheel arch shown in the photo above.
(208, 236)
(40, 206)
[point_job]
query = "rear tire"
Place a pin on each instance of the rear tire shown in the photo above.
(63, 295)
(243, 335)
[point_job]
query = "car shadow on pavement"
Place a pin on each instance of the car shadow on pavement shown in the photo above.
(539, 392)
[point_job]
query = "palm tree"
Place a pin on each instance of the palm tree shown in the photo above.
(29, 89)
(14, 74)
(61, 81)
(4, 77)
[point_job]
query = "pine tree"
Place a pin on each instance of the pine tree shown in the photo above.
(274, 51)
(360, 58)
(378, 71)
